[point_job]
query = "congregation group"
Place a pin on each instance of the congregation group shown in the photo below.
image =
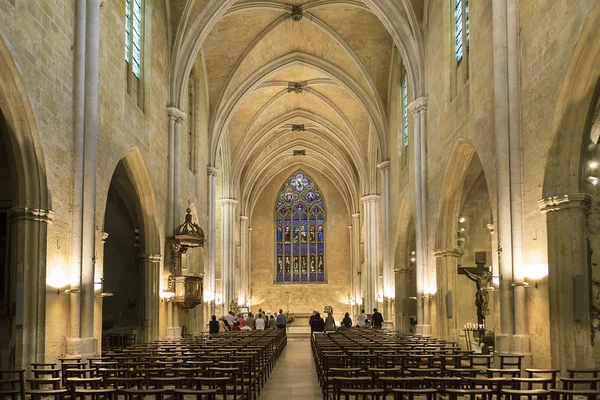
(233, 322)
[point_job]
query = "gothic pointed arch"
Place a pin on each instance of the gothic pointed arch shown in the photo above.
(299, 231)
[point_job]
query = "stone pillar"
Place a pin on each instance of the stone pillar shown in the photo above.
(351, 298)
(29, 227)
(371, 221)
(211, 241)
(425, 279)
(151, 263)
(569, 278)
(90, 153)
(356, 292)
(402, 302)
(243, 290)
(447, 271)
(176, 117)
(388, 280)
(228, 252)
(249, 262)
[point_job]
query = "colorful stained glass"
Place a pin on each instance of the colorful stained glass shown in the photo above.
(299, 232)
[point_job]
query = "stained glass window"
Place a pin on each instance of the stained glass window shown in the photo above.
(133, 35)
(458, 29)
(299, 232)
(405, 110)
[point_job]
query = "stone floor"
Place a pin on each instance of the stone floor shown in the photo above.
(294, 376)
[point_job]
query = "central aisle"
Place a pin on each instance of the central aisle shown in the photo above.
(294, 376)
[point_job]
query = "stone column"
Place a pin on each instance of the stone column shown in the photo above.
(447, 270)
(425, 278)
(243, 290)
(351, 297)
(90, 153)
(388, 281)
(211, 240)
(371, 221)
(29, 226)
(249, 262)
(402, 317)
(228, 252)
(176, 117)
(357, 289)
(151, 263)
(569, 278)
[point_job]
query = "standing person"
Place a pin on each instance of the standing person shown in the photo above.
(260, 322)
(213, 325)
(317, 324)
(251, 321)
(281, 320)
(377, 319)
(347, 321)
(329, 323)
(310, 320)
(272, 322)
(362, 317)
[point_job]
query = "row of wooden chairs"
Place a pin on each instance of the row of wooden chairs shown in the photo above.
(235, 366)
(380, 363)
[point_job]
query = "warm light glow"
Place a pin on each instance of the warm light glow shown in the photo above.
(461, 219)
(431, 290)
(412, 253)
(241, 301)
(593, 164)
(249, 302)
(209, 296)
(359, 301)
(166, 295)
(496, 280)
(57, 274)
(536, 271)
(379, 298)
(412, 259)
(218, 301)
(593, 180)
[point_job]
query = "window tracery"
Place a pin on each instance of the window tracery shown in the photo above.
(299, 232)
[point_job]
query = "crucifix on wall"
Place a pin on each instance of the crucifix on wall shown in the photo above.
(482, 277)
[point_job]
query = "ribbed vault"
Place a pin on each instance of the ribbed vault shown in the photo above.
(310, 75)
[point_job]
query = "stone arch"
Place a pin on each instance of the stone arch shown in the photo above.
(29, 216)
(144, 208)
(403, 271)
(565, 204)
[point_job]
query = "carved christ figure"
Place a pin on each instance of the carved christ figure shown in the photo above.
(482, 280)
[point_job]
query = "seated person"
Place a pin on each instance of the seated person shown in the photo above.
(213, 325)
(236, 326)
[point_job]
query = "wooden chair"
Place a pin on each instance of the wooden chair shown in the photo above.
(350, 382)
(589, 383)
(503, 372)
(401, 394)
(472, 394)
(514, 394)
(364, 394)
(510, 361)
(44, 383)
(143, 394)
(536, 371)
(560, 394)
(57, 394)
(12, 383)
(206, 394)
(96, 394)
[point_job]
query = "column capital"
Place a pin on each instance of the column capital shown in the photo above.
(243, 218)
(350, 227)
(370, 198)
(402, 270)
(356, 215)
(250, 229)
(228, 201)
(419, 105)
(104, 237)
(150, 257)
(176, 114)
(31, 214)
(212, 171)
(439, 253)
(384, 166)
(565, 202)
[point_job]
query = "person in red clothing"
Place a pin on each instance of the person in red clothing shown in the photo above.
(236, 326)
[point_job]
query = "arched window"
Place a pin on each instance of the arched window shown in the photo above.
(134, 48)
(299, 232)
(461, 28)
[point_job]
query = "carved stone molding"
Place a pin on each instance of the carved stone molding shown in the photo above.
(229, 202)
(212, 171)
(402, 270)
(370, 198)
(152, 258)
(104, 237)
(356, 215)
(296, 13)
(565, 202)
(31, 214)
(439, 253)
(298, 128)
(297, 87)
(417, 106)
(384, 166)
(176, 114)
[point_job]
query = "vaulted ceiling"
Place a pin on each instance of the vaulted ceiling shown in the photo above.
(310, 75)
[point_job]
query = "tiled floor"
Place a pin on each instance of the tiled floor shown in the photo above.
(294, 376)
